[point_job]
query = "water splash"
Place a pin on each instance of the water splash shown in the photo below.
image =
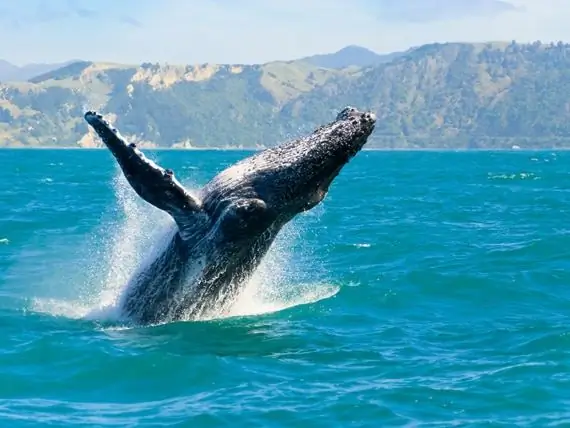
(109, 256)
(140, 231)
(128, 245)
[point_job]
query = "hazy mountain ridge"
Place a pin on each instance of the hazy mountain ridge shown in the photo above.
(350, 56)
(452, 95)
(10, 72)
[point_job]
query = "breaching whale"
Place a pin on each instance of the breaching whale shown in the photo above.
(224, 230)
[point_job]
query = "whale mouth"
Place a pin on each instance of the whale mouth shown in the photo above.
(326, 183)
(349, 134)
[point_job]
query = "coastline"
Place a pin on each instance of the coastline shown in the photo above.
(232, 149)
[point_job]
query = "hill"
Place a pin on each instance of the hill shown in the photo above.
(452, 95)
(458, 95)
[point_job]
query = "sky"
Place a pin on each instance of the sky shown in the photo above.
(257, 31)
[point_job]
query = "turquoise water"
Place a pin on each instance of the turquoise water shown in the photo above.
(429, 289)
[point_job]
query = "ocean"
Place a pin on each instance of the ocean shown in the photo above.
(428, 289)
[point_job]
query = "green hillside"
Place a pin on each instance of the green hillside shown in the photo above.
(452, 95)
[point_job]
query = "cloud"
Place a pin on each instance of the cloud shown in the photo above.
(438, 10)
(130, 21)
(253, 31)
(46, 11)
(83, 12)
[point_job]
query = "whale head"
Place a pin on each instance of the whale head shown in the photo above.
(299, 173)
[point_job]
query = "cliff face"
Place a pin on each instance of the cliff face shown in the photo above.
(435, 96)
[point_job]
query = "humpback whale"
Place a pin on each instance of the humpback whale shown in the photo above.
(225, 229)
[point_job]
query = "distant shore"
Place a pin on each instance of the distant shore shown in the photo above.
(371, 149)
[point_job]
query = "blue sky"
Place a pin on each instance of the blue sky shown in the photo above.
(253, 31)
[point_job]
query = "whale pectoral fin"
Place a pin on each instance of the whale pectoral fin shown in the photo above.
(154, 184)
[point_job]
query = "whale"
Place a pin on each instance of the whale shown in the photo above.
(222, 231)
